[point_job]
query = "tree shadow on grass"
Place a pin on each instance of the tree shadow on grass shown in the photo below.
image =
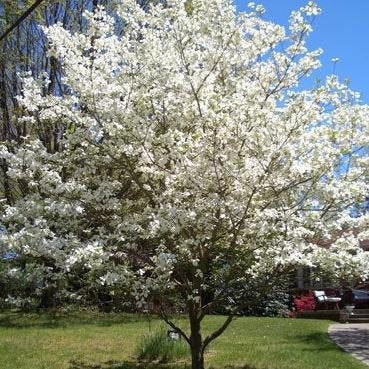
(49, 319)
(125, 365)
(22, 322)
(138, 365)
(244, 366)
(319, 341)
(353, 339)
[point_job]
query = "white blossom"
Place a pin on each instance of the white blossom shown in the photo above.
(192, 157)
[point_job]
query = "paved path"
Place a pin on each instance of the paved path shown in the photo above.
(353, 338)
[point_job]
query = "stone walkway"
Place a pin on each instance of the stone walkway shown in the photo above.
(353, 338)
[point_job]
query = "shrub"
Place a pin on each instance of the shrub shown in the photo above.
(267, 296)
(159, 347)
(277, 303)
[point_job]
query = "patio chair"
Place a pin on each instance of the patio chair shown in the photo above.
(322, 298)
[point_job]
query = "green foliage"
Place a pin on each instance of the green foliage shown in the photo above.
(159, 347)
(276, 303)
(189, 7)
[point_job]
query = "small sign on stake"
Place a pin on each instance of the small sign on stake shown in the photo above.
(173, 335)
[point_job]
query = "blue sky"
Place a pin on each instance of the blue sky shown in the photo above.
(342, 31)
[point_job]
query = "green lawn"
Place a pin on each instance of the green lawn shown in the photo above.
(96, 340)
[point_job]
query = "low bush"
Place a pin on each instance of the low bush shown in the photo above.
(159, 347)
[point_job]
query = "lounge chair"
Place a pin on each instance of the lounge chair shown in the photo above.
(322, 298)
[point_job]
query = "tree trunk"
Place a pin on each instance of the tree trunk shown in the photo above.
(197, 358)
(197, 351)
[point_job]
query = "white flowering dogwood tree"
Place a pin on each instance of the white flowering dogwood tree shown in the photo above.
(191, 163)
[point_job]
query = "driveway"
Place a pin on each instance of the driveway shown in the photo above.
(353, 338)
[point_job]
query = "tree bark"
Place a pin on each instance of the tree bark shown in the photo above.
(197, 347)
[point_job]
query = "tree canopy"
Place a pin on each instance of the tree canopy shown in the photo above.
(190, 161)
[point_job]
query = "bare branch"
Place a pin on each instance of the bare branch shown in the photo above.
(175, 327)
(21, 19)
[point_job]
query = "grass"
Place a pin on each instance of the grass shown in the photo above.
(159, 347)
(109, 341)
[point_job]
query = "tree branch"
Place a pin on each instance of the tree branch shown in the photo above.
(21, 19)
(218, 332)
(172, 325)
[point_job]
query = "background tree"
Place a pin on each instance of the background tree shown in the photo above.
(191, 164)
(24, 50)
